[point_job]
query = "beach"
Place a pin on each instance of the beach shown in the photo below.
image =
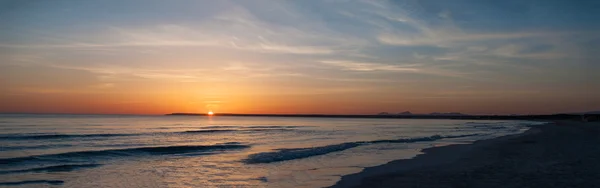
(557, 154)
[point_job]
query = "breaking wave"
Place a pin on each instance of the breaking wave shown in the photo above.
(210, 131)
(50, 182)
(55, 168)
(86, 155)
(299, 153)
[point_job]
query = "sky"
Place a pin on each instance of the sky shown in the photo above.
(309, 56)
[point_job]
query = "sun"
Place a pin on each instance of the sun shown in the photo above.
(210, 113)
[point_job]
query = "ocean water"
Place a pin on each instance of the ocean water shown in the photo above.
(194, 151)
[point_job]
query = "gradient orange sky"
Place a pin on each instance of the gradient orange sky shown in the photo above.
(329, 57)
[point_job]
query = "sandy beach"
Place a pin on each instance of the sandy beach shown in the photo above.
(558, 154)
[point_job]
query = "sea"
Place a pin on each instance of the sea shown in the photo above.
(216, 151)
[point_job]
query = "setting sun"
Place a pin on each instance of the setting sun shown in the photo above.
(210, 113)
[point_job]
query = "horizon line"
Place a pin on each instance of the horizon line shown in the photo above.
(274, 114)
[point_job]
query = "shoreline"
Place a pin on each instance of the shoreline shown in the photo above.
(460, 165)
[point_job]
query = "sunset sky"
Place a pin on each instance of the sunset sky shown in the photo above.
(330, 56)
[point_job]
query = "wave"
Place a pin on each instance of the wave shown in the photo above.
(56, 168)
(269, 129)
(86, 155)
(252, 127)
(464, 135)
(210, 131)
(236, 130)
(11, 148)
(491, 126)
(68, 136)
(220, 127)
(488, 123)
(273, 126)
(59, 136)
(51, 182)
(408, 140)
(299, 153)
(71, 136)
(232, 143)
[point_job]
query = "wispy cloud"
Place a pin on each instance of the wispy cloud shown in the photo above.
(445, 38)
(278, 48)
(362, 66)
(395, 68)
(234, 28)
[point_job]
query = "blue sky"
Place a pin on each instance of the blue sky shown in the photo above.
(483, 56)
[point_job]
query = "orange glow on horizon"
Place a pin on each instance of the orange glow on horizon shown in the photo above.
(210, 113)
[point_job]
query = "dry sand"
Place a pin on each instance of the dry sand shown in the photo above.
(559, 154)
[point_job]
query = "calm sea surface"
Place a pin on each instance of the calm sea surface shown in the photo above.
(186, 151)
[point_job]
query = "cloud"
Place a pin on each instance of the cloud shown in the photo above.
(290, 39)
(278, 48)
(182, 36)
(235, 27)
(234, 71)
(409, 24)
(445, 14)
(103, 85)
(157, 36)
(362, 66)
(443, 38)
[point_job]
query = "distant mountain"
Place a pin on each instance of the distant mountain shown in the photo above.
(590, 112)
(405, 113)
(447, 114)
(408, 113)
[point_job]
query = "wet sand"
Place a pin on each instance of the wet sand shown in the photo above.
(559, 154)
